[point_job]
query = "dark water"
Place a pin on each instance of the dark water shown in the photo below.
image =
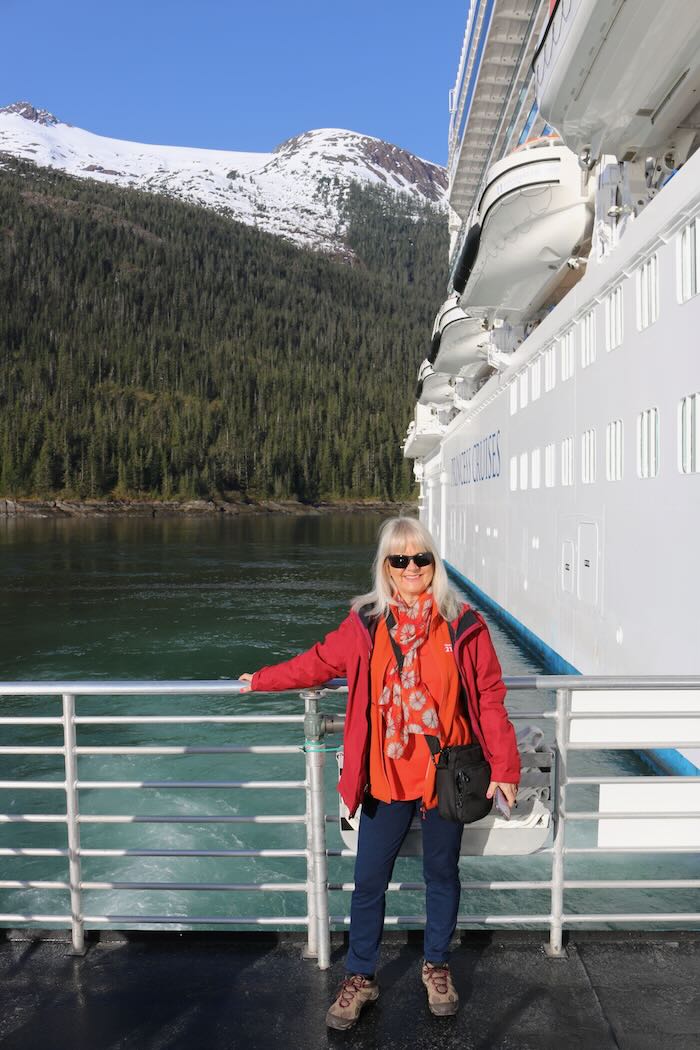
(187, 598)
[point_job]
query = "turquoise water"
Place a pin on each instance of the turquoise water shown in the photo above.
(204, 599)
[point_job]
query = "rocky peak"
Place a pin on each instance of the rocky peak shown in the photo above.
(390, 164)
(29, 112)
(429, 178)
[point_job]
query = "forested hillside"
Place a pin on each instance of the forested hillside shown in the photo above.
(148, 347)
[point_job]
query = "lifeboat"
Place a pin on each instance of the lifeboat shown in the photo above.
(528, 830)
(467, 257)
(602, 101)
(425, 432)
(434, 388)
(533, 216)
(458, 340)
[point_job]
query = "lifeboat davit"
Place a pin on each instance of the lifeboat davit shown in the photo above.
(434, 388)
(596, 97)
(472, 379)
(458, 340)
(533, 216)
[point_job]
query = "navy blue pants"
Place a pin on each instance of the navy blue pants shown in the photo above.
(383, 827)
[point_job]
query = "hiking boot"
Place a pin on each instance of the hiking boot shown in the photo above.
(355, 991)
(443, 1000)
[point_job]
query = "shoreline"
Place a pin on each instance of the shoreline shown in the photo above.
(103, 508)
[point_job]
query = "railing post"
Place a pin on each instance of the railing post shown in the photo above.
(555, 948)
(316, 816)
(74, 872)
(311, 950)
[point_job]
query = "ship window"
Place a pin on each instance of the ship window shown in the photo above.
(550, 368)
(613, 450)
(524, 384)
(523, 470)
(513, 397)
(550, 465)
(688, 261)
(587, 329)
(513, 473)
(648, 443)
(567, 355)
(567, 461)
(535, 468)
(588, 450)
(689, 434)
(536, 379)
(613, 319)
(647, 293)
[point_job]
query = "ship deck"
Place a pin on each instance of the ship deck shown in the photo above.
(615, 991)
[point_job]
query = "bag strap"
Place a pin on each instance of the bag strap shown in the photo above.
(391, 622)
(434, 745)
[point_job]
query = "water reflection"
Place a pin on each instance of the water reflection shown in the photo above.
(208, 598)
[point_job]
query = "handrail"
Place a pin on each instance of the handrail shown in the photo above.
(219, 686)
(317, 727)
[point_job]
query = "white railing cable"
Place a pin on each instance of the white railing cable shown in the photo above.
(317, 727)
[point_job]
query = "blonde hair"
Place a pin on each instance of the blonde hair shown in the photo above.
(394, 536)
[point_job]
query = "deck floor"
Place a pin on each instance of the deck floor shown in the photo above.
(152, 991)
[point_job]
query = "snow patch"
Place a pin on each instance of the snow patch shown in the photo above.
(295, 191)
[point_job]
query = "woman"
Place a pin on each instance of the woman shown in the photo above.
(419, 662)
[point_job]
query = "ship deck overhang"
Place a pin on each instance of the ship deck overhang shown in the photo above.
(491, 90)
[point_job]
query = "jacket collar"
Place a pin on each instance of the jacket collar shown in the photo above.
(465, 624)
(367, 621)
(468, 622)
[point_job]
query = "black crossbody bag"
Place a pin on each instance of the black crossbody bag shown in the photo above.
(462, 778)
(462, 774)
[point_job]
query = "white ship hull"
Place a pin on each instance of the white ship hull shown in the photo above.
(565, 489)
(603, 576)
(640, 535)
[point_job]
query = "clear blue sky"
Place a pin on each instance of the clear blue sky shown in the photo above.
(237, 74)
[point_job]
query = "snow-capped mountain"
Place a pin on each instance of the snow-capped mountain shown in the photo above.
(294, 191)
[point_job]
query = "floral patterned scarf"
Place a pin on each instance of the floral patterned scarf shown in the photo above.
(408, 706)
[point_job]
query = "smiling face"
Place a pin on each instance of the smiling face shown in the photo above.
(411, 581)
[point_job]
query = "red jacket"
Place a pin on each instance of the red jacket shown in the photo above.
(346, 652)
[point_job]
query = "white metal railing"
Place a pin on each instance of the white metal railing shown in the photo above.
(317, 726)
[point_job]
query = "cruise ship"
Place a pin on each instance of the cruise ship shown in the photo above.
(556, 435)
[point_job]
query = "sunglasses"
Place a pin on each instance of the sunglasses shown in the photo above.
(402, 561)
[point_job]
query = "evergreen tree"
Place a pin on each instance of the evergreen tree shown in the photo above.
(148, 347)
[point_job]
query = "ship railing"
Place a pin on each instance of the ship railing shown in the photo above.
(318, 726)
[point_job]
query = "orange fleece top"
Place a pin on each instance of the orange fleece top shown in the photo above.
(413, 775)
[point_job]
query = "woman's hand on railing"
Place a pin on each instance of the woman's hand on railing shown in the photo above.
(509, 790)
(245, 677)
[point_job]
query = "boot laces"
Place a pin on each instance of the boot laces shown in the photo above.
(349, 989)
(439, 977)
